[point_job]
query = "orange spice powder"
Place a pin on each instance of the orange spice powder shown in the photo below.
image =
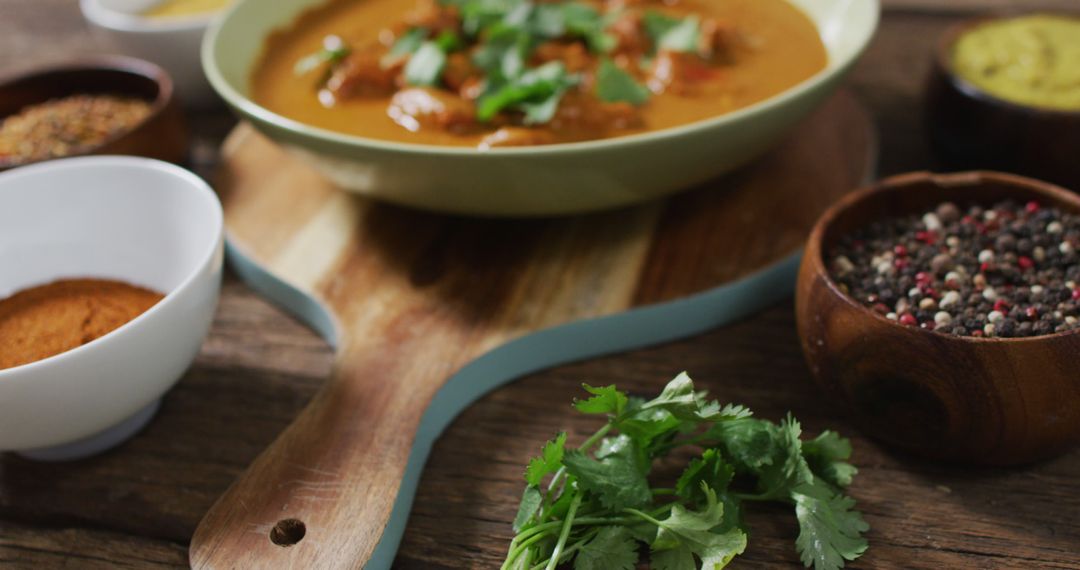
(47, 320)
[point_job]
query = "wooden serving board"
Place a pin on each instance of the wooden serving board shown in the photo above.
(429, 312)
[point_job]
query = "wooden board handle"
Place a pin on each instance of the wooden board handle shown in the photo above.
(321, 495)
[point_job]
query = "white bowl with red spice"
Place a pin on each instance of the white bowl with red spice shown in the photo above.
(130, 220)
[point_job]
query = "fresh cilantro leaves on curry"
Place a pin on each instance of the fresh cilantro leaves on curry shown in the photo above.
(494, 73)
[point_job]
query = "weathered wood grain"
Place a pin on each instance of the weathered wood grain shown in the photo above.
(30, 549)
(233, 403)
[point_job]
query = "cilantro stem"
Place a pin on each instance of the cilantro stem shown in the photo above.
(522, 548)
(561, 473)
(644, 516)
(594, 438)
(565, 534)
(569, 550)
(585, 521)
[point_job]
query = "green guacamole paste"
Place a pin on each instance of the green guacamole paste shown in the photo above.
(1030, 60)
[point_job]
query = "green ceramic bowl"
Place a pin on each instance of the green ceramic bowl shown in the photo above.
(531, 181)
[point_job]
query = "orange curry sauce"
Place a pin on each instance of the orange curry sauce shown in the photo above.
(768, 47)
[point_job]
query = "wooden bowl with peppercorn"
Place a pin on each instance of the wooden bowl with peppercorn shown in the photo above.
(94, 105)
(943, 309)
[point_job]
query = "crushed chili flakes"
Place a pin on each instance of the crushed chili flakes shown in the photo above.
(68, 125)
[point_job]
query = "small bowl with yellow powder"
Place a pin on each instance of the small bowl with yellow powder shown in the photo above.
(166, 32)
(1005, 94)
(112, 267)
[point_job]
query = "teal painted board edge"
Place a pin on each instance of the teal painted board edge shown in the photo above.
(570, 342)
(281, 293)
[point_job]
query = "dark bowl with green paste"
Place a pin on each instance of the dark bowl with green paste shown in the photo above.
(973, 127)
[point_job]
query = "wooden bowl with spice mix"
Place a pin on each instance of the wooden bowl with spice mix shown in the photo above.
(95, 105)
(1004, 93)
(945, 311)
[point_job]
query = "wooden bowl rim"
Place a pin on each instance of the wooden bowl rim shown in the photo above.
(100, 63)
(943, 61)
(815, 243)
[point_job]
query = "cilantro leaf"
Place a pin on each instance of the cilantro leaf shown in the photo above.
(531, 500)
(693, 530)
(548, 21)
(333, 51)
(477, 15)
(672, 34)
(549, 461)
(648, 427)
(584, 21)
(683, 37)
(709, 470)
(404, 46)
(830, 531)
(614, 85)
(502, 55)
(448, 41)
(613, 548)
(827, 455)
(426, 65)
(679, 398)
(751, 444)
(788, 469)
(607, 400)
(677, 558)
(618, 480)
(531, 88)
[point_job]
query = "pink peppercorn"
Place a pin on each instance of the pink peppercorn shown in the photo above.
(1076, 294)
(1031, 207)
(1032, 313)
(900, 251)
(908, 319)
(1025, 262)
(1001, 305)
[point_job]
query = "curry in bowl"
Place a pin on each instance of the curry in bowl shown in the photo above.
(500, 73)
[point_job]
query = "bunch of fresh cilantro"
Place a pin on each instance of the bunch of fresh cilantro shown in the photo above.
(598, 505)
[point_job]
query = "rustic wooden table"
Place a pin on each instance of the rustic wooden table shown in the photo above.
(138, 505)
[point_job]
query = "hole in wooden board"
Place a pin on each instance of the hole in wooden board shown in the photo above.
(288, 532)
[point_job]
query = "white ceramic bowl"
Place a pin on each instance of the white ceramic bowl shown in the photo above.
(136, 220)
(171, 43)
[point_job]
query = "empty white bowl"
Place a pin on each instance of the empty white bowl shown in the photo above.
(135, 220)
(172, 43)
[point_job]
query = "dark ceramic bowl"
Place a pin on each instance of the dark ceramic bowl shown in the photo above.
(972, 129)
(161, 135)
(961, 399)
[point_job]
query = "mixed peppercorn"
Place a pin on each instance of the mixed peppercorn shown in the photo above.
(66, 126)
(1011, 270)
